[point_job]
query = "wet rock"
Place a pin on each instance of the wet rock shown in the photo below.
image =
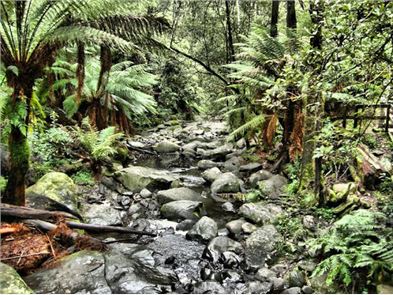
(230, 259)
(308, 290)
(56, 186)
(228, 207)
(102, 214)
(81, 272)
(176, 210)
(227, 183)
(293, 290)
(184, 253)
(258, 176)
(177, 194)
(207, 164)
(265, 274)
(166, 147)
(146, 265)
(136, 144)
(256, 287)
(260, 244)
(273, 187)
(250, 167)
(145, 193)
(209, 287)
(235, 226)
(384, 289)
(248, 228)
(205, 229)
(211, 174)
(279, 268)
(219, 245)
(260, 213)
(136, 178)
(185, 225)
(120, 272)
(11, 282)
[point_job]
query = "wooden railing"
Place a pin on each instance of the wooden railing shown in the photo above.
(355, 113)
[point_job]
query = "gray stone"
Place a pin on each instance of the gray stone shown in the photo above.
(82, 272)
(166, 147)
(260, 244)
(278, 284)
(218, 152)
(205, 229)
(11, 282)
(177, 210)
(230, 259)
(248, 228)
(228, 207)
(309, 222)
(235, 226)
(256, 287)
(273, 187)
(185, 224)
(219, 245)
(233, 164)
(177, 194)
(207, 164)
(211, 174)
(293, 290)
(227, 183)
(260, 213)
(308, 290)
(250, 167)
(102, 214)
(258, 176)
(295, 278)
(136, 178)
(265, 274)
(145, 193)
(209, 287)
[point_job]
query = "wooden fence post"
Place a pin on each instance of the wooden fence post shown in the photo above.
(387, 118)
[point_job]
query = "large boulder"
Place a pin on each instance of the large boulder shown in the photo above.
(218, 152)
(56, 186)
(166, 147)
(222, 244)
(136, 178)
(260, 213)
(260, 244)
(211, 174)
(250, 167)
(235, 226)
(227, 183)
(258, 176)
(177, 210)
(205, 229)
(177, 194)
(82, 272)
(274, 186)
(11, 282)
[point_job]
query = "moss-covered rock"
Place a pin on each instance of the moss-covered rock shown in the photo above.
(56, 186)
(340, 192)
(11, 282)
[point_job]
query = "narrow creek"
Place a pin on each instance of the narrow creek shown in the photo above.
(187, 187)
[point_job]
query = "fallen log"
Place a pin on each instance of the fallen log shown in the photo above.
(107, 228)
(22, 212)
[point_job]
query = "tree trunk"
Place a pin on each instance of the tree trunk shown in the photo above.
(274, 18)
(231, 49)
(80, 70)
(106, 63)
(18, 147)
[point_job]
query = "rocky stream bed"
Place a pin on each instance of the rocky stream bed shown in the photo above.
(188, 185)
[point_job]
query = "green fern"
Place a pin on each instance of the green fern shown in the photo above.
(254, 124)
(356, 241)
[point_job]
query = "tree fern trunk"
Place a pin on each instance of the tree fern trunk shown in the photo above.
(80, 70)
(274, 18)
(18, 148)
